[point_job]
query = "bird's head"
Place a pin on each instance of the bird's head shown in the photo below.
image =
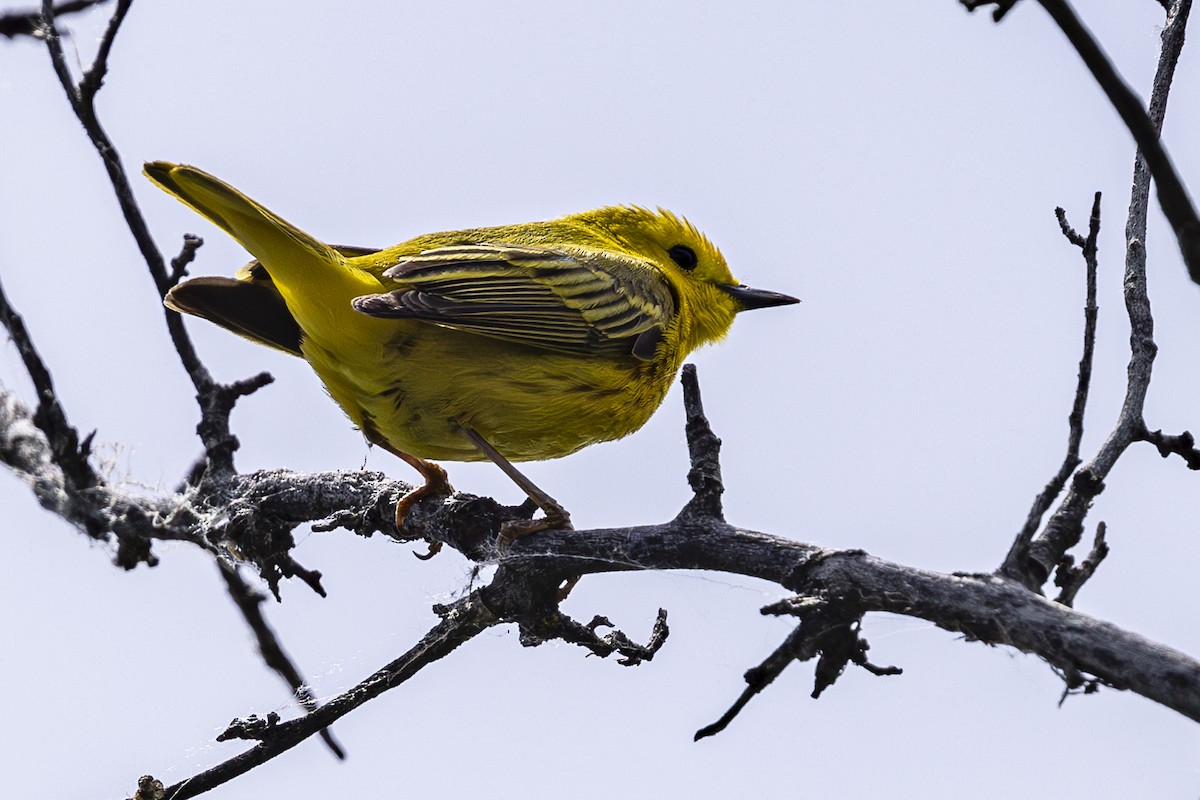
(708, 295)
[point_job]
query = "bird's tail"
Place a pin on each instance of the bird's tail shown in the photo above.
(290, 255)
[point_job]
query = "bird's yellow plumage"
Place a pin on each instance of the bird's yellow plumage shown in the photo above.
(514, 343)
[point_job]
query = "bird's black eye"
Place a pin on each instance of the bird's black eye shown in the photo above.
(684, 256)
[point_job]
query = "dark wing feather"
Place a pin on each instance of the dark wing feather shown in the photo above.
(581, 302)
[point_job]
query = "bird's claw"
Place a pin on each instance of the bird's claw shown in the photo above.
(555, 519)
(437, 484)
(434, 548)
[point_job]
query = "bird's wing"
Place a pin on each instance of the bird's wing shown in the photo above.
(576, 301)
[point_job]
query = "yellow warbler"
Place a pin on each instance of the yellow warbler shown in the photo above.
(515, 343)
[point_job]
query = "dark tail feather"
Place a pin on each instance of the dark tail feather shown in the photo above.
(253, 309)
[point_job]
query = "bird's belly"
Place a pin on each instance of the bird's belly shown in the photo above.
(420, 390)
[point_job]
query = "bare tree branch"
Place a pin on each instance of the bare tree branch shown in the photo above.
(181, 262)
(1183, 445)
(216, 401)
(1065, 527)
(826, 630)
(249, 602)
(759, 678)
(55, 463)
(998, 13)
(1071, 578)
(1172, 195)
(704, 449)
(69, 453)
(255, 515)
(523, 590)
(1013, 561)
(460, 623)
(29, 23)
(982, 608)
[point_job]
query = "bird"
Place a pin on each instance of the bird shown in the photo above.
(514, 343)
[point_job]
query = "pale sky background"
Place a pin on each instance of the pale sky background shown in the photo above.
(896, 165)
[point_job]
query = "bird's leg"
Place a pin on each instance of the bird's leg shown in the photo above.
(555, 516)
(437, 483)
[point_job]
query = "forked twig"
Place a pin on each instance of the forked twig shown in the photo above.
(1014, 562)
(1177, 206)
(1065, 527)
(249, 602)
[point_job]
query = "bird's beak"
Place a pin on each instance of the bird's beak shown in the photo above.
(750, 299)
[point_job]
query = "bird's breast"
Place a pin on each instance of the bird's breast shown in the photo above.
(419, 386)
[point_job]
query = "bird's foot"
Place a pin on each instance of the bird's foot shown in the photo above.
(437, 484)
(555, 518)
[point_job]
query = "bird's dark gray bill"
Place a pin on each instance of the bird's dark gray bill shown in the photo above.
(757, 298)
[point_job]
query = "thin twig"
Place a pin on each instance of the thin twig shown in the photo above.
(1090, 315)
(82, 99)
(998, 13)
(828, 630)
(1014, 562)
(704, 451)
(1183, 445)
(545, 627)
(216, 401)
(249, 603)
(181, 262)
(29, 23)
(460, 623)
(1071, 579)
(93, 79)
(758, 679)
(1065, 527)
(1172, 195)
(69, 453)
